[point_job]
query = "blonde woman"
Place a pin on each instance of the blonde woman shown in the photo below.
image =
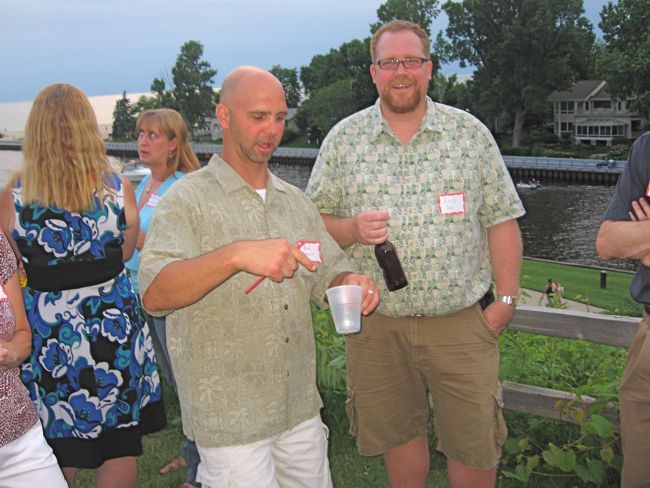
(91, 371)
(163, 146)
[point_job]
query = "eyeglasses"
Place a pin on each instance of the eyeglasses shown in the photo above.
(408, 63)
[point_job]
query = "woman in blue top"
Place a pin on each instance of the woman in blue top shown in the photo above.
(163, 145)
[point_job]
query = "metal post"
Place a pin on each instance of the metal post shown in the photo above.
(603, 279)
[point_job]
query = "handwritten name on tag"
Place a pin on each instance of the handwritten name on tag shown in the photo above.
(311, 249)
(153, 200)
(451, 203)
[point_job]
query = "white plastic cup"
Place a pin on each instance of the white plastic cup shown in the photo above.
(345, 304)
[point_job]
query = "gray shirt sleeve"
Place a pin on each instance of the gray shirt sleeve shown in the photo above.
(633, 182)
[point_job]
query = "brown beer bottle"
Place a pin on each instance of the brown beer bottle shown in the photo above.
(388, 260)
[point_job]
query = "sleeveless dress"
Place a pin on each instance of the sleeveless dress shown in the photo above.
(92, 371)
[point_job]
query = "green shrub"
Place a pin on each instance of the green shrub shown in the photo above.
(516, 151)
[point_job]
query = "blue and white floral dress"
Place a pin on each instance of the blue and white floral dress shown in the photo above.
(92, 372)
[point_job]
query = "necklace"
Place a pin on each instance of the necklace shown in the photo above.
(150, 187)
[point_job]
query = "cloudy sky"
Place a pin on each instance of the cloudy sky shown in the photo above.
(106, 46)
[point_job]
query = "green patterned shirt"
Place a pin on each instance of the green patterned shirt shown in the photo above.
(244, 364)
(442, 190)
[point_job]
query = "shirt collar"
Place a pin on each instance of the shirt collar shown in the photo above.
(433, 120)
(230, 180)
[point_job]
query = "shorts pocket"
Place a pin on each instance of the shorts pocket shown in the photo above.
(326, 431)
(352, 414)
(501, 430)
(484, 323)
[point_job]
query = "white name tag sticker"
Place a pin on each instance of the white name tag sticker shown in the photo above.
(3, 295)
(311, 249)
(153, 200)
(451, 203)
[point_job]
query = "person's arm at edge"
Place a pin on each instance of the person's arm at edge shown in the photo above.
(623, 239)
(14, 352)
(506, 252)
(620, 235)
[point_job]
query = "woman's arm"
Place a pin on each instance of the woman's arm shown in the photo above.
(132, 220)
(14, 352)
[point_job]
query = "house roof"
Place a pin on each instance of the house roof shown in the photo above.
(581, 90)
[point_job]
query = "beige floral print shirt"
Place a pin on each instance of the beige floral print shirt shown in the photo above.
(244, 364)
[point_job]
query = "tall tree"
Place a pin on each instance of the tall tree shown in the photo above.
(346, 68)
(318, 114)
(123, 120)
(522, 51)
(163, 97)
(421, 12)
(193, 91)
(291, 83)
(350, 61)
(625, 60)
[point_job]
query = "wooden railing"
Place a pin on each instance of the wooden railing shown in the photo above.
(609, 330)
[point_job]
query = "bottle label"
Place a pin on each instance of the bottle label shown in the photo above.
(451, 203)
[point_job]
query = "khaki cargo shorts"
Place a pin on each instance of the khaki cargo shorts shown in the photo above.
(394, 362)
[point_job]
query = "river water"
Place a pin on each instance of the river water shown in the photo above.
(561, 222)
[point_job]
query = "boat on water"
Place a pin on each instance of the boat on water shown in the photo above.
(531, 185)
(135, 172)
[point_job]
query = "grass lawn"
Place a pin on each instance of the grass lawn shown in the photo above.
(583, 285)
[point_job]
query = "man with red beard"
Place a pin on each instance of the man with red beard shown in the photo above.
(244, 359)
(432, 177)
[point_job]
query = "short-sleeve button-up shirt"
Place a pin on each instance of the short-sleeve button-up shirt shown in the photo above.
(244, 364)
(442, 190)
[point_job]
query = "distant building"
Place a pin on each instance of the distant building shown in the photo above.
(13, 116)
(587, 113)
(213, 127)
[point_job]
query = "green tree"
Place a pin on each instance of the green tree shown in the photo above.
(145, 103)
(291, 83)
(350, 61)
(522, 51)
(625, 60)
(320, 112)
(421, 12)
(123, 120)
(163, 97)
(193, 90)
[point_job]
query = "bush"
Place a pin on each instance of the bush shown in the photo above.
(290, 134)
(543, 137)
(516, 151)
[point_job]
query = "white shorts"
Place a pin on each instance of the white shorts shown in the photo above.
(29, 461)
(293, 459)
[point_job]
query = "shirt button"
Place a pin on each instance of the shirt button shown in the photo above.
(286, 306)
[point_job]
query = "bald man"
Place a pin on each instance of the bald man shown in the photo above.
(245, 362)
